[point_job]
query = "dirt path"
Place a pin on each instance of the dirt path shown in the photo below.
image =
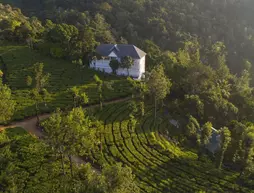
(29, 124)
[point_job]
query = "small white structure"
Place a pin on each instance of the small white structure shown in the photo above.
(118, 51)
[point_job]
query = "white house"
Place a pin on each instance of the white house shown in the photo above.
(118, 51)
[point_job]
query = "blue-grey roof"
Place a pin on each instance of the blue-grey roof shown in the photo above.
(121, 50)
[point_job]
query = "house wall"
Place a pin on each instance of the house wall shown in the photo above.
(136, 70)
(101, 65)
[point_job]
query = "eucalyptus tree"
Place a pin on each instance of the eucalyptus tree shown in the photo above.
(102, 86)
(192, 127)
(79, 98)
(39, 91)
(127, 62)
(71, 135)
(225, 141)
(206, 133)
(120, 179)
(158, 86)
(99, 84)
(248, 162)
(55, 135)
(139, 89)
(204, 137)
(80, 134)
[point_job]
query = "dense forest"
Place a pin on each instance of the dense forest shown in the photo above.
(166, 23)
(200, 72)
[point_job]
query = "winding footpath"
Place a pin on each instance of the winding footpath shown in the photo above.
(30, 126)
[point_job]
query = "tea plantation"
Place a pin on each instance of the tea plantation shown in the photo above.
(17, 64)
(159, 164)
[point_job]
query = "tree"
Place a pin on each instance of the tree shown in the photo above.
(132, 123)
(248, 162)
(99, 84)
(102, 86)
(158, 85)
(192, 127)
(39, 92)
(87, 38)
(206, 133)
(64, 34)
(80, 134)
(132, 107)
(102, 29)
(55, 135)
(7, 104)
(236, 149)
(153, 53)
(127, 62)
(112, 179)
(139, 89)
(71, 134)
(114, 65)
(120, 179)
(29, 80)
(204, 137)
(225, 140)
(79, 98)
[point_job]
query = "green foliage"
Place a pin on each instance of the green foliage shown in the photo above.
(29, 80)
(114, 65)
(79, 98)
(16, 27)
(7, 104)
(30, 161)
(120, 179)
(155, 159)
(88, 39)
(102, 29)
(192, 127)
(72, 134)
(102, 86)
(225, 141)
(21, 156)
(210, 79)
(248, 167)
(126, 62)
(158, 85)
(41, 79)
(209, 93)
(206, 133)
(57, 52)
